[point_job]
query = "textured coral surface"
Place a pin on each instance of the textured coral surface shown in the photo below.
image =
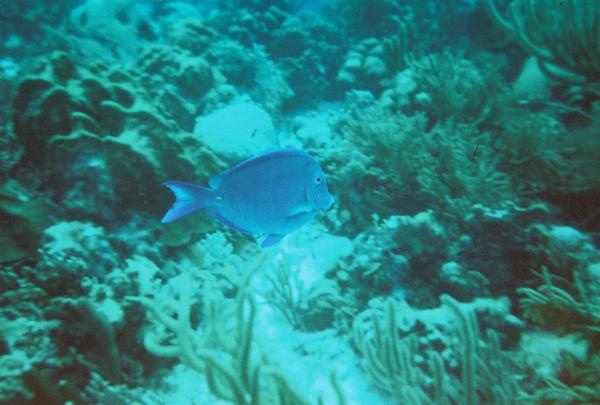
(459, 264)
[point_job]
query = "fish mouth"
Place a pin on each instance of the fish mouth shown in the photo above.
(320, 201)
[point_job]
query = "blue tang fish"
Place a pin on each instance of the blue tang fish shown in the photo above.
(274, 194)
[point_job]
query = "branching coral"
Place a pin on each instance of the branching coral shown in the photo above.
(285, 293)
(556, 308)
(392, 141)
(564, 36)
(544, 157)
(459, 169)
(307, 309)
(537, 150)
(225, 353)
(450, 86)
(389, 360)
(223, 348)
(450, 167)
(553, 307)
(485, 374)
(397, 366)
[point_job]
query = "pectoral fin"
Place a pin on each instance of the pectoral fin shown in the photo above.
(271, 240)
(300, 209)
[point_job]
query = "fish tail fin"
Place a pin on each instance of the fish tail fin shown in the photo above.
(188, 198)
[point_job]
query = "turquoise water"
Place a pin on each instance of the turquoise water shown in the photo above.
(459, 263)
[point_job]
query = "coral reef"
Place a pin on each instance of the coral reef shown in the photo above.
(190, 78)
(430, 24)
(311, 65)
(513, 230)
(120, 28)
(460, 263)
(314, 307)
(450, 86)
(28, 216)
(397, 360)
(555, 308)
(237, 381)
(225, 352)
(452, 160)
(548, 147)
(549, 159)
(88, 128)
(304, 46)
(371, 63)
(192, 35)
(562, 36)
(255, 23)
(392, 256)
(233, 140)
(360, 15)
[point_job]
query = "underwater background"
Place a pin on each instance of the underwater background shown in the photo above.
(459, 264)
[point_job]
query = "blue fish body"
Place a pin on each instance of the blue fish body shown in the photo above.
(274, 194)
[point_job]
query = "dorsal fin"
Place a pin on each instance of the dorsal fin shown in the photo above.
(215, 181)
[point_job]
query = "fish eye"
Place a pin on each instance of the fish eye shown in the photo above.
(318, 180)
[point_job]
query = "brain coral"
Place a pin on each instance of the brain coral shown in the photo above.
(98, 141)
(60, 99)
